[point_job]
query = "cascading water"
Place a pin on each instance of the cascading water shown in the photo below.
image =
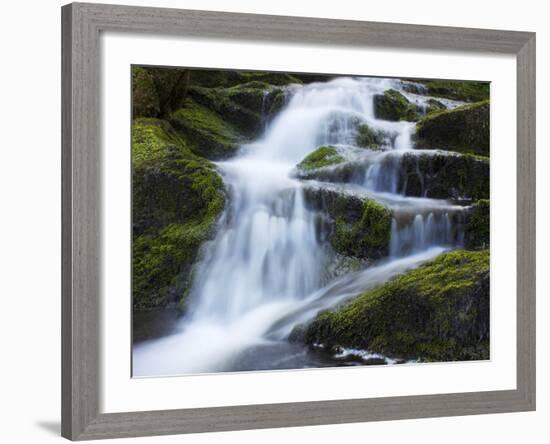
(264, 272)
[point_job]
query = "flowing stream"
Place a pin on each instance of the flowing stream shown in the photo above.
(266, 269)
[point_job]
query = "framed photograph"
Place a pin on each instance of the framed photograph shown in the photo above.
(277, 221)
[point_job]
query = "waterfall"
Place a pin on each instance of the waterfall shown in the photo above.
(263, 273)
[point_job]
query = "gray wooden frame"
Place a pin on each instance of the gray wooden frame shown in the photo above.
(81, 166)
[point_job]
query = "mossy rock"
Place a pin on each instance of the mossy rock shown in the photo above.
(368, 237)
(165, 87)
(439, 174)
(313, 78)
(358, 227)
(465, 91)
(444, 175)
(214, 78)
(437, 312)
(477, 233)
(207, 133)
(322, 157)
(370, 138)
(145, 100)
(434, 106)
(177, 197)
(236, 95)
(272, 78)
(464, 129)
(394, 106)
(275, 101)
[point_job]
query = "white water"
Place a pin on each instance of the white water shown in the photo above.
(265, 271)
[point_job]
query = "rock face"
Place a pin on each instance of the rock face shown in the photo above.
(145, 100)
(208, 134)
(451, 89)
(181, 118)
(477, 233)
(392, 105)
(176, 199)
(437, 312)
(464, 129)
(369, 138)
(357, 226)
(434, 174)
(442, 176)
(247, 107)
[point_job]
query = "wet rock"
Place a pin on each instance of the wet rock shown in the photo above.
(392, 105)
(358, 226)
(477, 233)
(177, 198)
(437, 312)
(464, 129)
(443, 175)
(322, 157)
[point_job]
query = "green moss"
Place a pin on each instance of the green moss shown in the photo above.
(321, 157)
(219, 100)
(369, 138)
(207, 133)
(437, 312)
(176, 200)
(392, 105)
(168, 86)
(273, 78)
(276, 100)
(145, 100)
(442, 176)
(464, 129)
(466, 91)
(434, 106)
(238, 97)
(368, 237)
(477, 233)
(213, 78)
(249, 95)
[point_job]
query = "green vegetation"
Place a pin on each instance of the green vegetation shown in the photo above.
(443, 175)
(434, 106)
(367, 237)
(321, 157)
(359, 227)
(464, 129)
(477, 233)
(218, 78)
(369, 138)
(465, 91)
(437, 312)
(208, 134)
(176, 199)
(145, 100)
(182, 117)
(392, 105)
